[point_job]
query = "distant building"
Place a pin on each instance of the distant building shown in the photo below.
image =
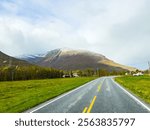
(66, 76)
(138, 74)
(69, 76)
(75, 75)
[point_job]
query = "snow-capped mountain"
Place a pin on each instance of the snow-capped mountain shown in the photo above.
(70, 59)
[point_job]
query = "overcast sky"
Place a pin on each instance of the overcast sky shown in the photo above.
(118, 29)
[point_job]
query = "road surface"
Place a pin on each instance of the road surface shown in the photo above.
(102, 95)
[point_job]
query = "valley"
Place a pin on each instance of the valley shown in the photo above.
(43, 82)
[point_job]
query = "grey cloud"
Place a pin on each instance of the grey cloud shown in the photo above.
(118, 29)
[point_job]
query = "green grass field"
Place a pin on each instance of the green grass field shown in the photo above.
(19, 96)
(139, 85)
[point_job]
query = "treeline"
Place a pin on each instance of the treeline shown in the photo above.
(147, 72)
(91, 72)
(13, 73)
(28, 73)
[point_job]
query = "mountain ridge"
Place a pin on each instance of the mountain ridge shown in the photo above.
(71, 59)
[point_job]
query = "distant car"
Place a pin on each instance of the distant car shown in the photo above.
(138, 74)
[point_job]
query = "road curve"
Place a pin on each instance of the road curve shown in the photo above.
(102, 95)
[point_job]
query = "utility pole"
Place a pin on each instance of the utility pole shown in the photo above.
(149, 67)
(11, 68)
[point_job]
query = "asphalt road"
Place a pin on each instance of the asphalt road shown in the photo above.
(102, 95)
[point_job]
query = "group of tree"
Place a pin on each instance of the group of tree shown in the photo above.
(13, 73)
(147, 72)
(91, 72)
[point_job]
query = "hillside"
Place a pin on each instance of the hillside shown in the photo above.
(12, 69)
(6, 60)
(68, 59)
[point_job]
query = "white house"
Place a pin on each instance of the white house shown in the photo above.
(138, 74)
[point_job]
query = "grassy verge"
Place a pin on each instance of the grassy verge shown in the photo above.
(139, 85)
(19, 96)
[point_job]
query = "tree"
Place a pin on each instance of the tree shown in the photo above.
(11, 73)
(103, 72)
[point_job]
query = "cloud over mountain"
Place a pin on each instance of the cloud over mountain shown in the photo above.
(119, 29)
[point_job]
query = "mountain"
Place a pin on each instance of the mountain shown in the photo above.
(6, 60)
(68, 59)
(32, 58)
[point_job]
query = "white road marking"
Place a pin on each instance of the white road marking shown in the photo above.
(57, 98)
(108, 89)
(133, 97)
(73, 103)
